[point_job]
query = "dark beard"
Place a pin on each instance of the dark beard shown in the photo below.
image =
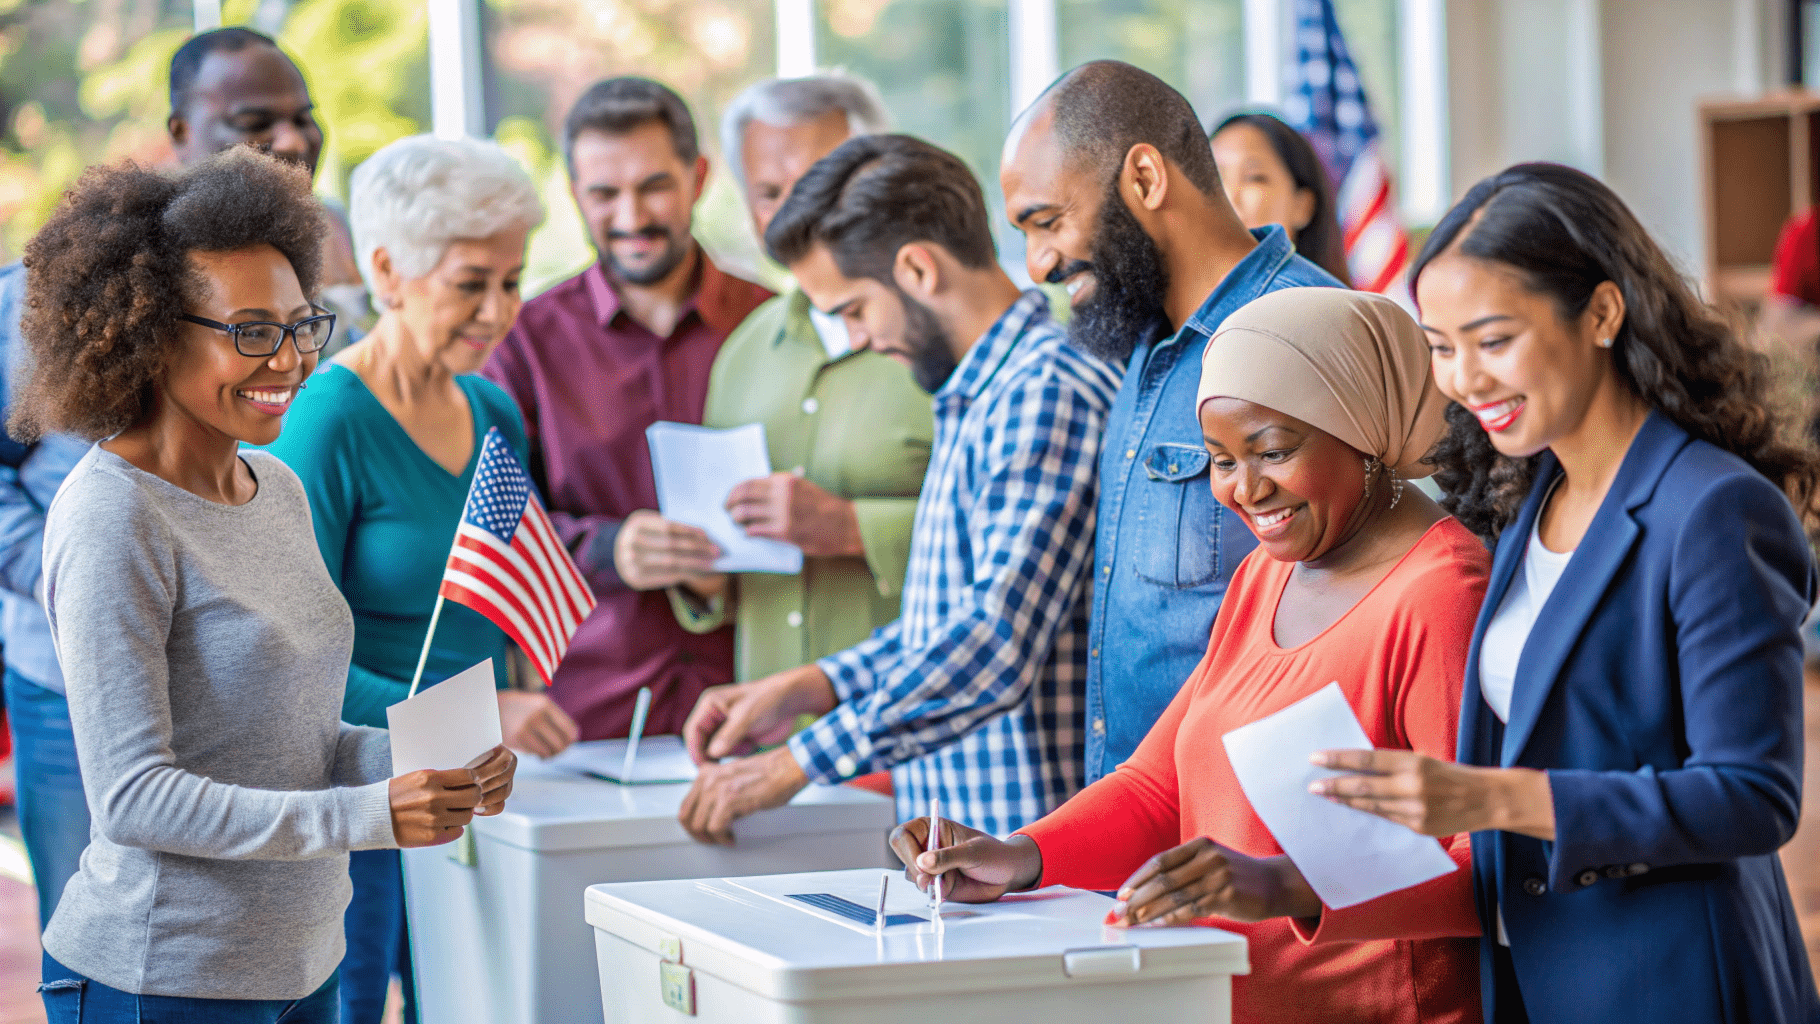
(674, 253)
(1129, 280)
(931, 356)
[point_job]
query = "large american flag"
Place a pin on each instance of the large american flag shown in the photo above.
(508, 564)
(1327, 103)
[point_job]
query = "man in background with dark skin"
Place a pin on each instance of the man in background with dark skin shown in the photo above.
(1110, 178)
(235, 87)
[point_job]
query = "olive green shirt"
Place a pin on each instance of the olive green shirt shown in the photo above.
(857, 426)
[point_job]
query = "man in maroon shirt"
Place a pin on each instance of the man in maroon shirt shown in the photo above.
(597, 359)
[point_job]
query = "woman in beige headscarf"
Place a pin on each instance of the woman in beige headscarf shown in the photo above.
(1316, 404)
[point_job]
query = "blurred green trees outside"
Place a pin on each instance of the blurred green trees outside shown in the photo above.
(84, 81)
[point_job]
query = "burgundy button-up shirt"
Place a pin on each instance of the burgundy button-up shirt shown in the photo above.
(589, 380)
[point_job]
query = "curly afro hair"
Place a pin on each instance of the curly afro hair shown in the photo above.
(108, 275)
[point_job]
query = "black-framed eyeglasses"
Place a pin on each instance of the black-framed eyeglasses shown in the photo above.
(262, 339)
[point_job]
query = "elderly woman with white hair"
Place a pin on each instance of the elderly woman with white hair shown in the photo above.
(385, 440)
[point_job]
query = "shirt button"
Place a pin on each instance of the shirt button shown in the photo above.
(884, 589)
(810, 405)
(1107, 571)
(845, 766)
(1131, 453)
(1534, 886)
(1096, 652)
(1099, 727)
(794, 618)
(1587, 877)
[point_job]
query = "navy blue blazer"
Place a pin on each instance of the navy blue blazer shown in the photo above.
(1661, 689)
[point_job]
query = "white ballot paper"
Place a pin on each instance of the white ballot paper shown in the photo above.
(660, 759)
(1347, 855)
(447, 725)
(696, 468)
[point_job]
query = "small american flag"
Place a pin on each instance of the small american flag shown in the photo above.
(508, 564)
(1328, 105)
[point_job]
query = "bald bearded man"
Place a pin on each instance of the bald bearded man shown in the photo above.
(1110, 178)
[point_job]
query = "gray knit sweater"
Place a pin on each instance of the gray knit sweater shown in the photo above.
(206, 650)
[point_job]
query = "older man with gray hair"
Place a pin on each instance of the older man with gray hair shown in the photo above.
(849, 431)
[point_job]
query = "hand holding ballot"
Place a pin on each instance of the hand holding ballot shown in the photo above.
(430, 808)
(1439, 798)
(787, 507)
(651, 552)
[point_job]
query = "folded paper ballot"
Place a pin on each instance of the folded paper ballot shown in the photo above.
(446, 725)
(660, 759)
(696, 468)
(1348, 856)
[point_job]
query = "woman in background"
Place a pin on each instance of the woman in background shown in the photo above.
(203, 646)
(1631, 738)
(1273, 176)
(386, 439)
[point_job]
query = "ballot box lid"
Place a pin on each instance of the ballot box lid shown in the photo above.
(761, 934)
(557, 806)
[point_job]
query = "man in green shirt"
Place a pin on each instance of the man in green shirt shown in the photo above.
(849, 432)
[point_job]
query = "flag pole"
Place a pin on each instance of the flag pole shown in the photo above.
(436, 613)
(417, 677)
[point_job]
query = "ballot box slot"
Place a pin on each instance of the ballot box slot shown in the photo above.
(852, 911)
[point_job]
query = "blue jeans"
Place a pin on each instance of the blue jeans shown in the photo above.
(70, 998)
(378, 945)
(53, 814)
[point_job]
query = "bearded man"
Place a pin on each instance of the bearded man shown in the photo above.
(1110, 178)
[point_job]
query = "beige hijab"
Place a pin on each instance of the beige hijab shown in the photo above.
(1351, 363)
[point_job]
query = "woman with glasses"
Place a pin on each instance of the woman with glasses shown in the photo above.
(204, 647)
(386, 440)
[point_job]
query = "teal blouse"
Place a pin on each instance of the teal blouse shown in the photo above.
(385, 517)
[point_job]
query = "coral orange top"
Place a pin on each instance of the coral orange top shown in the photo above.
(1399, 655)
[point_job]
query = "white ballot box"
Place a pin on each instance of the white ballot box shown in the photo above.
(803, 949)
(497, 928)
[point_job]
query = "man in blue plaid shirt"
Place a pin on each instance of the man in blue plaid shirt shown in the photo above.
(975, 694)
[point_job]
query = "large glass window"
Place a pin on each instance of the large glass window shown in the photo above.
(86, 83)
(943, 67)
(542, 54)
(73, 91)
(1370, 28)
(1198, 46)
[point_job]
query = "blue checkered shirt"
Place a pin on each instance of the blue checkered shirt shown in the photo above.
(977, 692)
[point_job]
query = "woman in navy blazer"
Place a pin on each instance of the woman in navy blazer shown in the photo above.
(1633, 695)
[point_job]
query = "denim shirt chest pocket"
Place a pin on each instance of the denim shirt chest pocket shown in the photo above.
(1178, 523)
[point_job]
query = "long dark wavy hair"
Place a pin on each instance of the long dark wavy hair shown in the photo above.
(1564, 233)
(1319, 241)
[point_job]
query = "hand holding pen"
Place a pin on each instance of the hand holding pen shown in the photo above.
(969, 865)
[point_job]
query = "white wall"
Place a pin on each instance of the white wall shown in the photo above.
(1609, 86)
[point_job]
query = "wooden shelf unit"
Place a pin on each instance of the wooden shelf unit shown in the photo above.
(1760, 162)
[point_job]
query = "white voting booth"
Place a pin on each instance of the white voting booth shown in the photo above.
(803, 949)
(497, 928)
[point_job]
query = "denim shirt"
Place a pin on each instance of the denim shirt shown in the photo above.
(29, 478)
(1165, 549)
